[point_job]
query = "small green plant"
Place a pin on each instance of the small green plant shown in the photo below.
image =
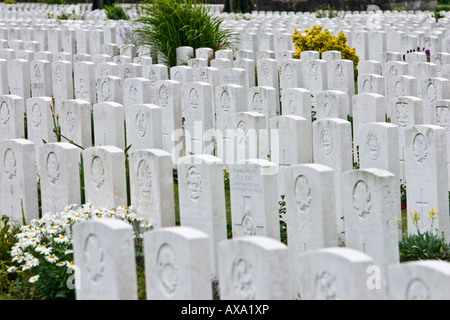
(424, 245)
(283, 219)
(69, 16)
(327, 11)
(115, 12)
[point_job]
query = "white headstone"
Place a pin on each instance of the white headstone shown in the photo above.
(371, 204)
(104, 176)
(143, 127)
(18, 188)
(254, 199)
(167, 95)
(136, 91)
(84, 81)
(105, 256)
(19, 78)
(419, 280)
(109, 121)
(62, 81)
(59, 172)
(177, 264)
(310, 209)
(41, 78)
(332, 104)
(427, 176)
(12, 125)
(202, 199)
(109, 89)
(333, 274)
(198, 117)
(241, 275)
(40, 124)
(151, 186)
(75, 121)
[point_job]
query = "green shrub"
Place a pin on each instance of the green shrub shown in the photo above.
(115, 12)
(165, 25)
(322, 40)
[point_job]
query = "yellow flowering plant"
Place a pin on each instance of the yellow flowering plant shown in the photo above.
(322, 40)
(43, 254)
(424, 245)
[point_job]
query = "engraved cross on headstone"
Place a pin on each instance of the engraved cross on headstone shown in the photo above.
(247, 226)
(82, 92)
(283, 162)
(421, 204)
(17, 90)
(403, 164)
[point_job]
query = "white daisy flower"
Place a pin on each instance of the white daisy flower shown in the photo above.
(61, 239)
(34, 279)
(47, 251)
(51, 258)
(12, 269)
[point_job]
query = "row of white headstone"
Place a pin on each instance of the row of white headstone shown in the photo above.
(177, 267)
(326, 144)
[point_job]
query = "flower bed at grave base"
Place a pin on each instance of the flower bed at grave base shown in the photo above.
(43, 253)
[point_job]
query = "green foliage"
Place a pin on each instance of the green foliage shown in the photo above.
(53, 1)
(282, 214)
(165, 25)
(70, 16)
(437, 12)
(424, 245)
(242, 6)
(327, 11)
(8, 232)
(115, 12)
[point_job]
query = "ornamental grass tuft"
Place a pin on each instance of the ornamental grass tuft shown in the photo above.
(165, 25)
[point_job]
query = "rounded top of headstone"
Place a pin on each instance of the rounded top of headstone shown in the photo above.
(263, 242)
